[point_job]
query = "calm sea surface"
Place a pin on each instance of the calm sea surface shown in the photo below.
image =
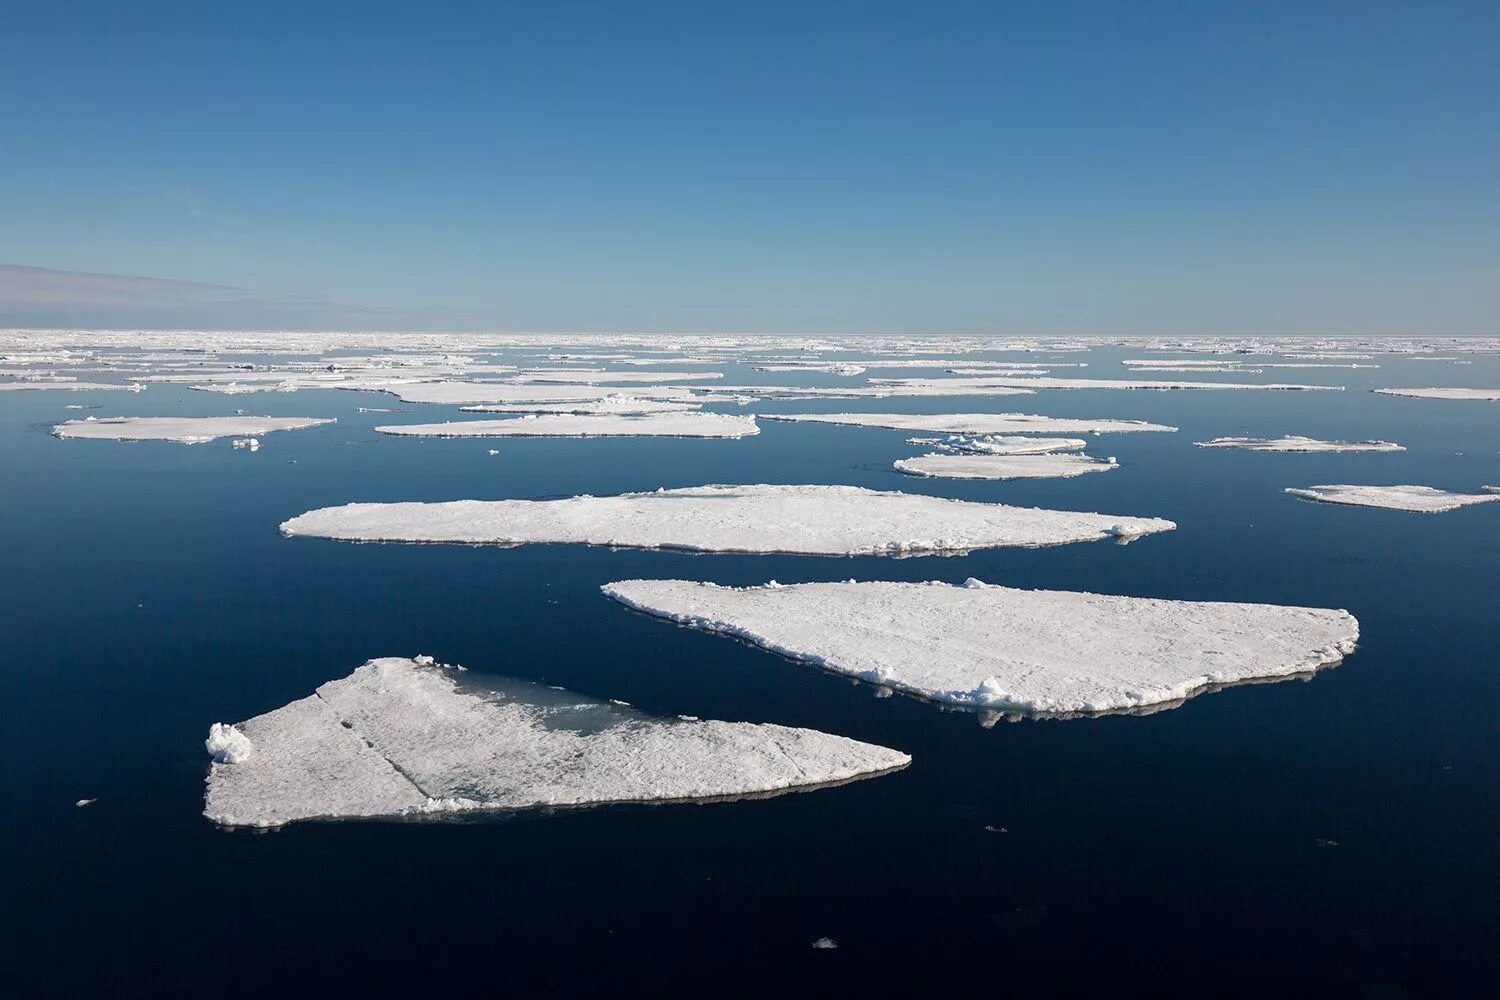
(1340, 834)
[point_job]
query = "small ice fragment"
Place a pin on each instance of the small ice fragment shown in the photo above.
(227, 744)
(493, 451)
(825, 944)
(423, 660)
(248, 444)
(85, 802)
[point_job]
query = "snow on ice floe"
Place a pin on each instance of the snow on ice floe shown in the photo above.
(995, 444)
(1296, 443)
(411, 738)
(74, 386)
(1492, 395)
(998, 648)
(703, 425)
(1046, 466)
(973, 423)
(800, 520)
(574, 376)
(1080, 383)
(186, 430)
(616, 405)
(473, 393)
(1419, 499)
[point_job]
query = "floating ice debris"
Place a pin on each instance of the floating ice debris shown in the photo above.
(493, 451)
(398, 738)
(1034, 651)
(825, 944)
(1299, 444)
(707, 425)
(1050, 466)
(84, 802)
(804, 520)
(960, 444)
(247, 444)
(973, 423)
(1419, 499)
(1492, 395)
(185, 430)
(227, 744)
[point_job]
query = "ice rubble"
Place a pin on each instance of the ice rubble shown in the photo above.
(399, 737)
(702, 425)
(1047, 466)
(1419, 499)
(1492, 395)
(804, 520)
(960, 444)
(973, 423)
(186, 430)
(1292, 442)
(993, 647)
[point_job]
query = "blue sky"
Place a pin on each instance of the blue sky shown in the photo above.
(1146, 167)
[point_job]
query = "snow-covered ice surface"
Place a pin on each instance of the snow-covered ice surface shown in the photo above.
(1048, 466)
(1491, 395)
(1044, 652)
(1298, 444)
(960, 444)
(616, 405)
(510, 392)
(186, 430)
(973, 423)
(804, 520)
(572, 376)
(399, 737)
(1008, 382)
(703, 425)
(74, 386)
(1419, 499)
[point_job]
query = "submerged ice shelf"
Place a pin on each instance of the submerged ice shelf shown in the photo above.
(403, 737)
(799, 520)
(689, 424)
(1293, 443)
(185, 430)
(1047, 466)
(991, 647)
(1418, 499)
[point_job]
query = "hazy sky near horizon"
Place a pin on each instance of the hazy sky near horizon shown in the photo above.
(1106, 167)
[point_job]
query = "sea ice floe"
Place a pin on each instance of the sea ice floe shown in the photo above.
(74, 386)
(991, 647)
(1048, 466)
(1419, 499)
(961, 444)
(1299, 444)
(973, 423)
(616, 405)
(1079, 383)
(703, 425)
(185, 430)
(803, 520)
(401, 738)
(576, 376)
(472, 393)
(1492, 395)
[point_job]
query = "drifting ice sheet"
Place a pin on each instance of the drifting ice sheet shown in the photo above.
(1298, 444)
(400, 737)
(1002, 466)
(973, 423)
(472, 393)
(703, 425)
(1420, 499)
(959, 444)
(616, 405)
(186, 430)
(804, 520)
(1491, 395)
(991, 647)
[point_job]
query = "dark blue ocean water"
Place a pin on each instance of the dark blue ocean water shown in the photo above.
(1338, 835)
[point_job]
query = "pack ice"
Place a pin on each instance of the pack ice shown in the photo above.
(999, 444)
(973, 423)
(690, 424)
(990, 647)
(1047, 466)
(801, 520)
(1419, 499)
(186, 430)
(1492, 395)
(1293, 443)
(401, 737)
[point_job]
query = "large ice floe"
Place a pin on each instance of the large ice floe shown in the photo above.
(593, 375)
(999, 444)
(1044, 652)
(973, 423)
(472, 393)
(1081, 383)
(1491, 395)
(613, 405)
(185, 430)
(1293, 443)
(801, 520)
(1048, 466)
(410, 738)
(703, 425)
(1419, 499)
(74, 386)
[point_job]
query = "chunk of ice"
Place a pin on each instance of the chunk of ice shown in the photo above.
(1295, 443)
(1048, 466)
(705, 425)
(805, 520)
(992, 647)
(961, 444)
(228, 745)
(399, 738)
(185, 430)
(1419, 499)
(972, 423)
